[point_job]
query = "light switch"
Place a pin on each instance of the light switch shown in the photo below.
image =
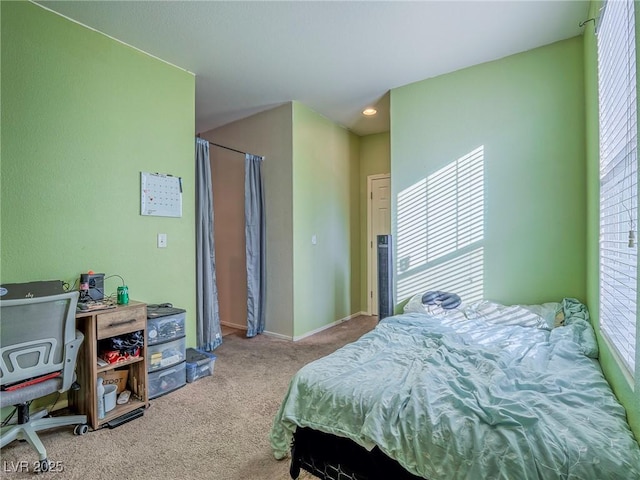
(162, 240)
(314, 240)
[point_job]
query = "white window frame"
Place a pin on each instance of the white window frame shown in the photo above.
(617, 101)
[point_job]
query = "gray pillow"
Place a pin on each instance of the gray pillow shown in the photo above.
(445, 299)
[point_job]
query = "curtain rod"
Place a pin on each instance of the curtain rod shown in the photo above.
(229, 148)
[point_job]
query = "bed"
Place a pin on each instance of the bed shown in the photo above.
(482, 391)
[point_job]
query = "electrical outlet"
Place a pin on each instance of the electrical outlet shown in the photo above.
(162, 240)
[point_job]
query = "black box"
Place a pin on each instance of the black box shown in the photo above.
(96, 286)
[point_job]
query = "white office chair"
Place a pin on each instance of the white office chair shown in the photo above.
(39, 338)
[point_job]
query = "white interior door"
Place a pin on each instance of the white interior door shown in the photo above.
(379, 223)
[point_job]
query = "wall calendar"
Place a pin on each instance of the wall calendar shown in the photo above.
(160, 195)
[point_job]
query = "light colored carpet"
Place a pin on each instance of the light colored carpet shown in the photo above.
(214, 428)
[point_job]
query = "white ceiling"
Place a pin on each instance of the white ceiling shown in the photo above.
(336, 57)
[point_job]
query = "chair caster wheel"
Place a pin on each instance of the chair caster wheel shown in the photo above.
(81, 429)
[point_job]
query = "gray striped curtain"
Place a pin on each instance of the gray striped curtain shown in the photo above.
(209, 335)
(255, 235)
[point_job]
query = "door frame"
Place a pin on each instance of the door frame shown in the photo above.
(371, 257)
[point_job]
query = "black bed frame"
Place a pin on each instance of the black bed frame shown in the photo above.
(335, 458)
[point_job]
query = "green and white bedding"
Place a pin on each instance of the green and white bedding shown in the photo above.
(479, 392)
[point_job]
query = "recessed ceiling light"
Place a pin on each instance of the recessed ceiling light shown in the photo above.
(369, 111)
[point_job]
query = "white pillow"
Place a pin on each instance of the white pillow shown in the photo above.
(538, 316)
(546, 315)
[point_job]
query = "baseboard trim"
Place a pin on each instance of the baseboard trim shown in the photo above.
(277, 335)
(324, 327)
(233, 325)
(317, 330)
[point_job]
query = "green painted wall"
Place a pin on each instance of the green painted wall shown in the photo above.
(326, 204)
(82, 116)
(628, 395)
(527, 112)
(375, 158)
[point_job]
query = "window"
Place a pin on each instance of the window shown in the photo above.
(618, 177)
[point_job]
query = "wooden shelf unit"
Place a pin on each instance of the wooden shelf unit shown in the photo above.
(97, 325)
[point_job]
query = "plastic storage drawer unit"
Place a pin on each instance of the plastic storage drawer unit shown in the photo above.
(199, 364)
(165, 354)
(164, 329)
(167, 380)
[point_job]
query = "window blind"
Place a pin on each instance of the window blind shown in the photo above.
(618, 177)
